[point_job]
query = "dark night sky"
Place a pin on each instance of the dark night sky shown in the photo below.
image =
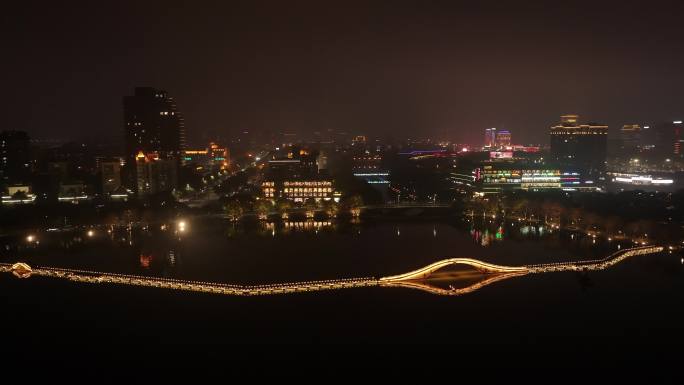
(425, 68)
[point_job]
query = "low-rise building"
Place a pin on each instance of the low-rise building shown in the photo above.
(300, 190)
(500, 178)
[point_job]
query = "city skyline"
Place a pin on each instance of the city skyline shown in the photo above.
(258, 172)
(441, 72)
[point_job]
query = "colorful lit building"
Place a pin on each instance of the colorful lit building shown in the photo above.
(499, 178)
(503, 139)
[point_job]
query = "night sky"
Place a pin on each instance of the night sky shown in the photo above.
(439, 69)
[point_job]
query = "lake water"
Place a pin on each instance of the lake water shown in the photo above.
(639, 299)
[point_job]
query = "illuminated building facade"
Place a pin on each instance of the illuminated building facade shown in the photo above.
(18, 194)
(297, 177)
(214, 156)
(368, 167)
(197, 156)
(302, 190)
(503, 139)
(641, 180)
(462, 179)
(366, 162)
(219, 154)
(268, 189)
(494, 179)
(580, 146)
(299, 190)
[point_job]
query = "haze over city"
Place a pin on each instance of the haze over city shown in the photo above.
(503, 178)
(445, 70)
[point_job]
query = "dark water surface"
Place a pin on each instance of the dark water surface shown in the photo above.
(638, 301)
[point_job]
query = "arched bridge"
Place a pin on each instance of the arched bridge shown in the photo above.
(425, 272)
(486, 267)
(415, 279)
(452, 291)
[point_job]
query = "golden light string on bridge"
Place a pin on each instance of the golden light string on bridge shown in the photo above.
(414, 279)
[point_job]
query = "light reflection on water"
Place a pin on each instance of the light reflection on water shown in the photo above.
(321, 248)
(251, 253)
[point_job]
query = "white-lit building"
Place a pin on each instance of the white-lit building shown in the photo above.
(495, 179)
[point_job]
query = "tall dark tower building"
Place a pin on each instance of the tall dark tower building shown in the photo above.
(669, 138)
(630, 139)
(580, 146)
(153, 127)
(15, 161)
(153, 123)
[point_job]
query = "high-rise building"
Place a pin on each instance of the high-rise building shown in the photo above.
(669, 138)
(15, 160)
(678, 140)
(630, 139)
(581, 146)
(503, 138)
(153, 124)
(490, 137)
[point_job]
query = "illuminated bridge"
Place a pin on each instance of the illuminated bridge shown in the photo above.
(416, 279)
(22, 270)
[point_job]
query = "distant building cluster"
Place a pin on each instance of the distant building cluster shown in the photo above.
(155, 159)
(150, 162)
